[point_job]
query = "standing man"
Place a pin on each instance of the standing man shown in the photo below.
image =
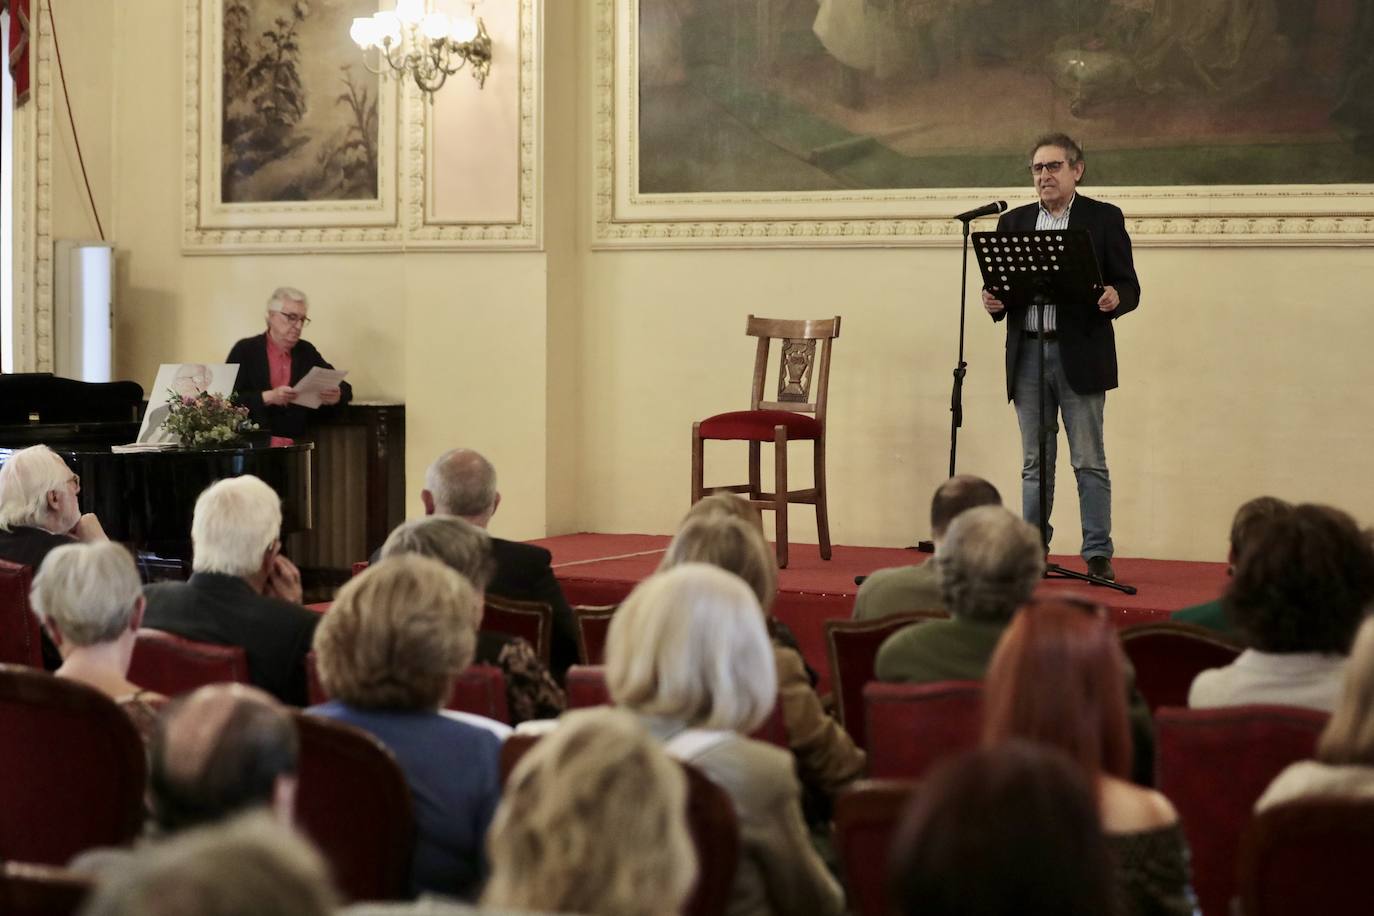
(272, 362)
(1080, 349)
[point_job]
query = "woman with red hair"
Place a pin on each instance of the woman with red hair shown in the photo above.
(1056, 678)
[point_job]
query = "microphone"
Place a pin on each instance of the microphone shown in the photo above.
(997, 206)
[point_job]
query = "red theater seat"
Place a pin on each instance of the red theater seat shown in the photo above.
(910, 726)
(1308, 856)
(172, 665)
(532, 621)
(852, 646)
(593, 625)
(21, 643)
(1167, 656)
(866, 817)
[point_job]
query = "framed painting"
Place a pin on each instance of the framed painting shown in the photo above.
(870, 122)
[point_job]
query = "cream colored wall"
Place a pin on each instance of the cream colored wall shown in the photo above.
(579, 372)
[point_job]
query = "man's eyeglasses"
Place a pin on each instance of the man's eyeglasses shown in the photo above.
(1052, 166)
(293, 318)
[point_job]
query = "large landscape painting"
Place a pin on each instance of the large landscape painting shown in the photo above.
(300, 119)
(824, 95)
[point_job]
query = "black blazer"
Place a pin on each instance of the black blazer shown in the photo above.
(1087, 343)
(221, 609)
(255, 377)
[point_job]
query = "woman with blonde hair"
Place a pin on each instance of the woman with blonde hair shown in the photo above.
(602, 792)
(388, 652)
(1344, 764)
(827, 757)
(688, 652)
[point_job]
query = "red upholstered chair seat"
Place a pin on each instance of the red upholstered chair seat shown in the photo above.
(866, 817)
(759, 425)
(911, 726)
(1308, 856)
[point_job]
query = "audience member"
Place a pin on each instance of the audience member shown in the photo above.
(91, 602)
(38, 512)
(1056, 678)
(1250, 517)
(604, 792)
(1344, 765)
(461, 482)
(1299, 593)
(249, 867)
(388, 652)
(900, 589)
(531, 692)
(689, 653)
(242, 591)
(1010, 830)
(827, 757)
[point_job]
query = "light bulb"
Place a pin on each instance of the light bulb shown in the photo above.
(363, 32)
(435, 26)
(410, 11)
(386, 25)
(463, 29)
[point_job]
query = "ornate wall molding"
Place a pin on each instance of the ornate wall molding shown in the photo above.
(32, 243)
(1288, 215)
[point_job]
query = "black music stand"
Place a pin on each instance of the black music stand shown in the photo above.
(1031, 270)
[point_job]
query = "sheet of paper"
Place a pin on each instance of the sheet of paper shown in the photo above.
(316, 380)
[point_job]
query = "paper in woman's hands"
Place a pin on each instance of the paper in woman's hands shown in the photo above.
(316, 380)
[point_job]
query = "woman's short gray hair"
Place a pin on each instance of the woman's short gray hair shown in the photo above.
(27, 478)
(690, 644)
(88, 590)
(235, 522)
(990, 561)
(461, 545)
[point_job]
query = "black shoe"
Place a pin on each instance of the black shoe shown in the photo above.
(1101, 567)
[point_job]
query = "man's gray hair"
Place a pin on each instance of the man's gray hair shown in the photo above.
(235, 522)
(462, 483)
(990, 561)
(282, 295)
(458, 544)
(88, 590)
(27, 478)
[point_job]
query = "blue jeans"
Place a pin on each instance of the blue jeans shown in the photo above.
(1083, 424)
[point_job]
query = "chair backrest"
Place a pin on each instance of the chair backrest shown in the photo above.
(586, 686)
(1168, 655)
(532, 621)
(803, 377)
(21, 643)
(593, 624)
(72, 770)
(42, 890)
(866, 817)
(173, 665)
(852, 647)
(480, 689)
(1308, 856)
(1214, 764)
(910, 726)
(710, 819)
(359, 566)
(353, 801)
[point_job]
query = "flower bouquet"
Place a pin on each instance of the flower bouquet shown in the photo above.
(207, 420)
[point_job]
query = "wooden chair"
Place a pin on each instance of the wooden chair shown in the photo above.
(173, 665)
(710, 819)
(911, 726)
(593, 624)
(797, 413)
(353, 801)
(480, 689)
(1168, 655)
(866, 817)
(21, 641)
(1308, 856)
(72, 770)
(42, 890)
(852, 647)
(1214, 764)
(532, 621)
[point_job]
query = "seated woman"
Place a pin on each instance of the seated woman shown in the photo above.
(91, 602)
(1056, 679)
(827, 757)
(1303, 583)
(388, 652)
(688, 652)
(1006, 829)
(1344, 766)
(531, 691)
(616, 804)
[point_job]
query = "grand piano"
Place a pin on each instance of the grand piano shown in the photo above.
(142, 499)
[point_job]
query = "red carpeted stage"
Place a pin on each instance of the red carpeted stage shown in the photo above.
(602, 568)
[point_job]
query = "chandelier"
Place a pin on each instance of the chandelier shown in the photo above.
(430, 47)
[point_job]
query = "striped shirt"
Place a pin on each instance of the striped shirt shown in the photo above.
(1045, 220)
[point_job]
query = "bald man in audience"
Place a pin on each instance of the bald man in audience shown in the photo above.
(900, 589)
(242, 591)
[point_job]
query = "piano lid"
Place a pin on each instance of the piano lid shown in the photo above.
(42, 398)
